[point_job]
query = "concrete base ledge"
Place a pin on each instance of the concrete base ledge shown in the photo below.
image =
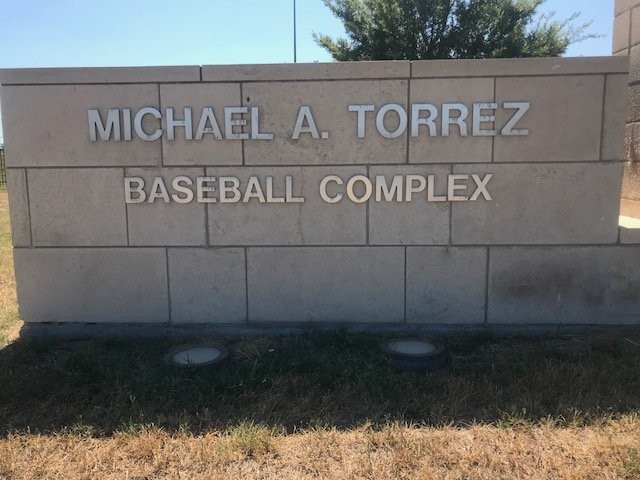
(83, 331)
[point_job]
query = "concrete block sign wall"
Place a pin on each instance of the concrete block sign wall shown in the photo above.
(473, 193)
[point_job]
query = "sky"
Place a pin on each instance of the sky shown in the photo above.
(80, 33)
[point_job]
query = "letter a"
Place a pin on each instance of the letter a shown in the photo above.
(305, 114)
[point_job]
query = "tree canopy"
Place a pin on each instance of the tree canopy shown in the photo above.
(432, 29)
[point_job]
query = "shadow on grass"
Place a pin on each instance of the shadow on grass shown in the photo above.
(341, 380)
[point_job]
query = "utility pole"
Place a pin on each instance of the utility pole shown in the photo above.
(295, 57)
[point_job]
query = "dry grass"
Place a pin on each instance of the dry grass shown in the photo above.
(9, 318)
(394, 452)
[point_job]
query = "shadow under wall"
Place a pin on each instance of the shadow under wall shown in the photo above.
(328, 379)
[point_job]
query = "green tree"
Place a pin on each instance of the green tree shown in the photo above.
(429, 29)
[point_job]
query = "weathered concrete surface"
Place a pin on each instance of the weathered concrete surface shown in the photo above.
(326, 284)
(410, 223)
(454, 148)
(77, 207)
(313, 222)
(572, 203)
(509, 67)
(306, 71)
(43, 76)
(626, 41)
(389, 264)
(114, 285)
(584, 285)
(281, 101)
(446, 285)
(209, 150)
(46, 125)
(19, 207)
(207, 285)
(614, 119)
(163, 223)
(630, 228)
(569, 134)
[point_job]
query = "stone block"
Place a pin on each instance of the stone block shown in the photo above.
(560, 285)
(515, 67)
(280, 104)
(19, 207)
(207, 285)
(631, 235)
(454, 148)
(571, 133)
(633, 104)
(313, 222)
(635, 26)
(631, 183)
(410, 223)
(86, 285)
(33, 76)
(47, 125)
(306, 71)
(624, 5)
(632, 143)
(622, 53)
(77, 207)
(614, 114)
(541, 204)
(634, 63)
(446, 285)
(208, 150)
(621, 25)
(160, 223)
(326, 284)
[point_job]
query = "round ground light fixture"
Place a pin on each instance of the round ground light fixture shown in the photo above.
(414, 355)
(192, 356)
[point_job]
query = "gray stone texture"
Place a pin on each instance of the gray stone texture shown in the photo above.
(19, 207)
(281, 101)
(585, 285)
(208, 151)
(631, 181)
(454, 148)
(626, 34)
(410, 223)
(43, 76)
(633, 105)
(630, 236)
(46, 125)
(634, 63)
(446, 285)
(326, 284)
(509, 67)
(77, 207)
(306, 71)
(614, 118)
(621, 25)
(635, 26)
(207, 285)
(549, 239)
(623, 5)
(166, 224)
(573, 203)
(570, 133)
(313, 222)
(92, 285)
